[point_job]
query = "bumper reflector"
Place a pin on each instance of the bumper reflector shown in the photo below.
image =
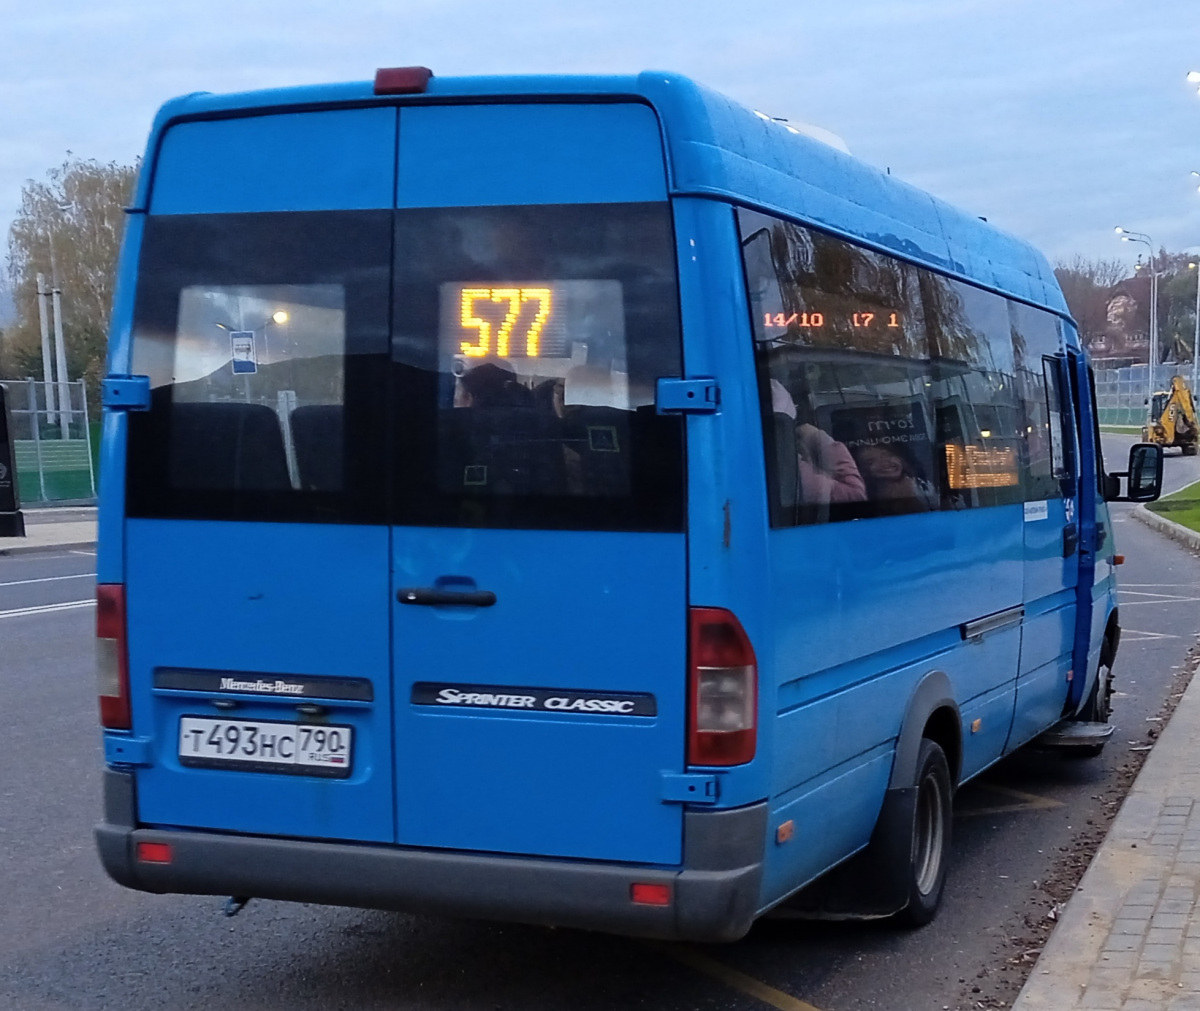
(645, 894)
(154, 852)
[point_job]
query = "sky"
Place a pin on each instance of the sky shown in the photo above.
(1055, 119)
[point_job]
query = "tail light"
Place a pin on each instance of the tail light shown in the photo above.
(723, 689)
(112, 657)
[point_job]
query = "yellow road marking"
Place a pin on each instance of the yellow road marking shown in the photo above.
(731, 977)
(1029, 802)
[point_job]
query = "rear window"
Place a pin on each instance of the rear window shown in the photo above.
(443, 367)
(527, 343)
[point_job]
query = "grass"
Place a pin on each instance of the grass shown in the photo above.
(1182, 507)
(1122, 429)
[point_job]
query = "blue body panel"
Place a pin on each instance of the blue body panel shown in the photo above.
(567, 615)
(846, 618)
(302, 161)
(529, 154)
(257, 598)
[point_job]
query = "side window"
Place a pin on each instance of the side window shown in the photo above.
(890, 389)
(974, 395)
(1048, 440)
(844, 367)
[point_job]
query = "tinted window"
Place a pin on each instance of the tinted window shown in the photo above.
(264, 337)
(887, 388)
(974, 393)
(1049, 458)
(527, 342)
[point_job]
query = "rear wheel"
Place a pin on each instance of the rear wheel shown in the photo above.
(930, 837)
(1189, 449)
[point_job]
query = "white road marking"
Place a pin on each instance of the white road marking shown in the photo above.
(90, 553)
(69, 605)
(1133, 635)
(49, 579)
(1163, 600)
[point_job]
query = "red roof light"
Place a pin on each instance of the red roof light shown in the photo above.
(402, 80)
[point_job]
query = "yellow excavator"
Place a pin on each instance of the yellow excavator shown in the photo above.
(1173, 418)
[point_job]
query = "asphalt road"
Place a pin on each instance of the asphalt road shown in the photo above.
(74, 940)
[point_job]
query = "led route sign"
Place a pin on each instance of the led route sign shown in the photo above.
(497, 335)
(817, 319)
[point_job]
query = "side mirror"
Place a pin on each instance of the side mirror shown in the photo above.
(1144, 477)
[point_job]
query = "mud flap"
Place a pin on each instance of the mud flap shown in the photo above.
(872, 884)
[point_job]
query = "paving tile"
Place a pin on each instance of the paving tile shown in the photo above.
(1123, 942)
(1138, 927)
(1102, 1000)
(1157, 936)
(1161, 953)
(1164, 919)
(1107, 977)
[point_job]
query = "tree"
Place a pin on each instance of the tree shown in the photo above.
(1086, 285)
(68, 228)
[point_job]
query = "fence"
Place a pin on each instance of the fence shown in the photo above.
(1121, 393)
(52, 442)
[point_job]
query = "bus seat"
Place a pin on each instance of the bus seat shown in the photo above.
(787, 471)
(600, 435)
(317, 437)
(227, 446)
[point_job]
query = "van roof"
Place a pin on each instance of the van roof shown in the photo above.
(718, 148)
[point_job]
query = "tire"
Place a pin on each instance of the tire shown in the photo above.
(930, 837)
(1189, 449)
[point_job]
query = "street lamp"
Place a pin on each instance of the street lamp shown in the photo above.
(1196, 337)
(1145, 240)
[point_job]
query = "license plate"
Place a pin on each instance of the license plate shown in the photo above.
(302, 749)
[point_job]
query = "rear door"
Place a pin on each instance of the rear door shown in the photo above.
(538, 554)
(257, 543)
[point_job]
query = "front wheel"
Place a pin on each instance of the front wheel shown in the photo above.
(930, 837)
(1098, 707)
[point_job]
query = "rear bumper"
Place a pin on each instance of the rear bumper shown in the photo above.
(714, 896)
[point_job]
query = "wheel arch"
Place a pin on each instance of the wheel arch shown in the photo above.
(933, 713)
(1112, 637)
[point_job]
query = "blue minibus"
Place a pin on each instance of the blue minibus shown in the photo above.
(578, 501)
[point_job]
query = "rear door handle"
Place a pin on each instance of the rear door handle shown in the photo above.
(1070, 539)
(431, 596)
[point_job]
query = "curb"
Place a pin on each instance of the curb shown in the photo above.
(30, 549)
(1177, 532)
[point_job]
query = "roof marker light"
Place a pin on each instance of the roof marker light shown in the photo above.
(402, 80)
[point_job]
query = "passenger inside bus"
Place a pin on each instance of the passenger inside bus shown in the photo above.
(826, 472)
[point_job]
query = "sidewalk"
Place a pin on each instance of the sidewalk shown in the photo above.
(1129, 939)
(49, 529)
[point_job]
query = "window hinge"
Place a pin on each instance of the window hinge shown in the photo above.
(125, 393)
(690, 788)
(687, 396)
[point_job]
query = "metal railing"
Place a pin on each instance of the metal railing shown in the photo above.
(1121, 393)
(52, 441)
